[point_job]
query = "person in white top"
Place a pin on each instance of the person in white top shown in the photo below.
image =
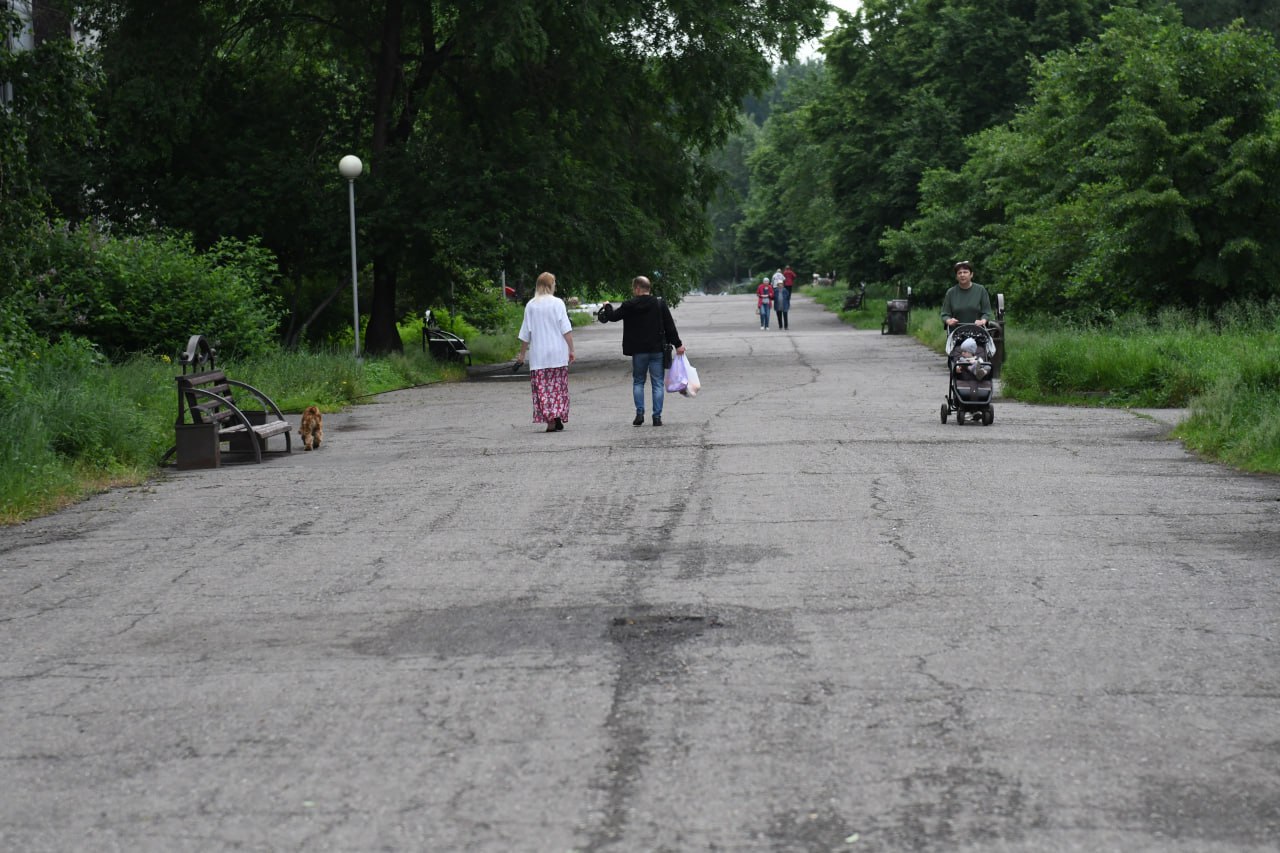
(546, 342)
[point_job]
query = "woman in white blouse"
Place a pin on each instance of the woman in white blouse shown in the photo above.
(546, 338)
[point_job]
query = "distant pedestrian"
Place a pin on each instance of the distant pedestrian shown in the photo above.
(646, 327)
(546, 338)
(777, 282)
(782, 300)
(764, 302)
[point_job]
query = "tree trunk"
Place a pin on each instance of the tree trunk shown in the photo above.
(381, 336)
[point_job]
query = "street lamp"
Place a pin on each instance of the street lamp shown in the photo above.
(350, 168)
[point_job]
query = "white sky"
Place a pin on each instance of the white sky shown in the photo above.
(810, 50)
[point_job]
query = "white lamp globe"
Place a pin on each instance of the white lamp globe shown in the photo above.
(350, 167)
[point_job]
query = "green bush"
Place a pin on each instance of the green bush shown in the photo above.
(484, 306)
(150, 293)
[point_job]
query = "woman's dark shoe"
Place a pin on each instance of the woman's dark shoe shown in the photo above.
(657, 420)
(559, 424)
(639, 421)
(551, 426)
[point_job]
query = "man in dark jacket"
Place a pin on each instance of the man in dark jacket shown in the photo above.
(646, 325)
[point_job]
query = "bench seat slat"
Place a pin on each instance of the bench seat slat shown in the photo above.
(272, 428)
(265, 430)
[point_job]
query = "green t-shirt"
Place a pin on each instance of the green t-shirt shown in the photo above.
(967, 306)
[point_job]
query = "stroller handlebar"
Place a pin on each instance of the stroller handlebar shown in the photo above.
(961, 332)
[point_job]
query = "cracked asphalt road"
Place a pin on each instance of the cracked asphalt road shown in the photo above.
(802, 616)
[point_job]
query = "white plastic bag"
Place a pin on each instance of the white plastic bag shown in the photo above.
(694, 384)
(677, 374)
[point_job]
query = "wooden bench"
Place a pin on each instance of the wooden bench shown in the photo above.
(209, 415)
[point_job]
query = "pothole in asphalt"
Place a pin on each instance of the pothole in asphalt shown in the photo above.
(660, 627)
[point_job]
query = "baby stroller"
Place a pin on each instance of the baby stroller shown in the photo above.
(969, 387)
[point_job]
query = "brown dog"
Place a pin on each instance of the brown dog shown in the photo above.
(312, 429)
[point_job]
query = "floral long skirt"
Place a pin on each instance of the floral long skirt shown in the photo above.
(550, 387)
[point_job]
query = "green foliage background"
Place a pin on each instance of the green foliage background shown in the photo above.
(1144, 173)
(1100, 162)
(147, 293)
(1089, 157)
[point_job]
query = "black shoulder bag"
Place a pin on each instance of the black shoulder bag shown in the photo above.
(668, 351)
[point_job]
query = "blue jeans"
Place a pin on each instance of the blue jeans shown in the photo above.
(650, 363)
(764, 315)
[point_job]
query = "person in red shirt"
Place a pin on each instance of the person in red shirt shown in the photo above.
(764, 302)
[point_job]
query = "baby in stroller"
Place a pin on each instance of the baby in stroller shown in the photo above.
(969, 389)
(969, 364)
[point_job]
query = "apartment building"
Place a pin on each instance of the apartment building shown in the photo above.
(38, 21)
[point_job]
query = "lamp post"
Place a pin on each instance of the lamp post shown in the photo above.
(350, 168)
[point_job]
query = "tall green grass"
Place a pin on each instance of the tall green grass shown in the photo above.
(872, 313)
(1224, 368)
(72, 424)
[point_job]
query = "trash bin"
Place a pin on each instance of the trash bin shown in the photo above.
(996, 331)
(896, 317)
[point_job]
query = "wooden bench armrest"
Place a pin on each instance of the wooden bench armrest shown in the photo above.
(262, 397)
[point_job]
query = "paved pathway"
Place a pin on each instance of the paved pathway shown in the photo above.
(803, 615)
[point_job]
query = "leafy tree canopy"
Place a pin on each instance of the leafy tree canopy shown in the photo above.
(512, 134)
(1145, 172)
(910, 80)
(789, 210)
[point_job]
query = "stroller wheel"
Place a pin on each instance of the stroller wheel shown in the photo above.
(946, 410)
(959, 417)
(988, 415)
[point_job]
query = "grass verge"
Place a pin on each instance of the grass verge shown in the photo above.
(72, 424)
(1225, 369)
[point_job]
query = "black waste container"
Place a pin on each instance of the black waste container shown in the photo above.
(997, 337)
(896, 317)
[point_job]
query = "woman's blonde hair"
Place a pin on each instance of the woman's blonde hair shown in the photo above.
(546, 285)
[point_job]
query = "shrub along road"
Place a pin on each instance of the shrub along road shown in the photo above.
(803, 615)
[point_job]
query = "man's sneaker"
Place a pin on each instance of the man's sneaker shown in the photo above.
(657, 420)
(639, 421)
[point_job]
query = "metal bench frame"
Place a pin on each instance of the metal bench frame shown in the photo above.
(443, 346)
(207, 409)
